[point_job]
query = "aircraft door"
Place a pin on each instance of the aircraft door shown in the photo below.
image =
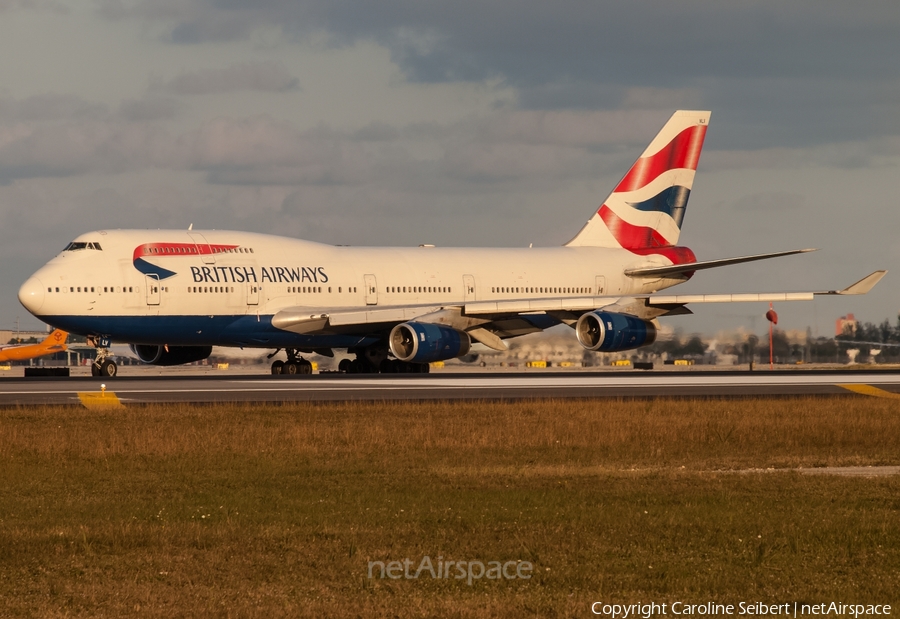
(600, 285)
(468, 288)
(252, 293)
(152, 282)
(203, 247)
(371, 290)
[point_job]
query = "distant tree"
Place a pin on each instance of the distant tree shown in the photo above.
(783, 352)
(694, 346)
(824, 350)
(867, 332)
(887, 332)
(30, 340)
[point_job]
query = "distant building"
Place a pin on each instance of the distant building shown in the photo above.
(846, 325)
(8, 335)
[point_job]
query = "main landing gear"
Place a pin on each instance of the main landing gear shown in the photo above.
(293, 365)
(369, 360)
(387, 366)
(103, 365)
(374, 360)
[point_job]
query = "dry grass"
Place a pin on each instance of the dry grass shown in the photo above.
(568, 435)
(243, 510)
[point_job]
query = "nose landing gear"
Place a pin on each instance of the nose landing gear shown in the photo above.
(106, 368)
(103, 365)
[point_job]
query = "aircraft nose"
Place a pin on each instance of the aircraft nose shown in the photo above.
(31, 295)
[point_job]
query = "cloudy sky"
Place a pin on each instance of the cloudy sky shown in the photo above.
(472, 123)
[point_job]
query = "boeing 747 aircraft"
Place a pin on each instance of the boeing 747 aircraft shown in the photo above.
(174, 294)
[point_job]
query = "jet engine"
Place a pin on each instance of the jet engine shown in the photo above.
(610, 332)
(175, 355)
(419, 342)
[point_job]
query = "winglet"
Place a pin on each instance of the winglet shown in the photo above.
(864, 285)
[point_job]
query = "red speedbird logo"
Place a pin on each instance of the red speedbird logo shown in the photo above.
(170, 250)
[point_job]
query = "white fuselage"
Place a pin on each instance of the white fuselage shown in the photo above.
(190, 287)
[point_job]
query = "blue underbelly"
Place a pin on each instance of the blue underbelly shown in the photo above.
(243, 331)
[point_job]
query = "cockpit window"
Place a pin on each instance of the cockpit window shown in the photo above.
(75, 246)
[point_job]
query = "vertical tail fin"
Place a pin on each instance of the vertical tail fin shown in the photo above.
(646, 208)
(56, 338)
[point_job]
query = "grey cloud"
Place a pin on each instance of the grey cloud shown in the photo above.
(631, 43)
(45, 5)
(770, 202)
(504, 148)
(376, 132)
(49, 107)
(67, 149)
(149, 109)
(766, 65)
(504, 151)
(258, 76)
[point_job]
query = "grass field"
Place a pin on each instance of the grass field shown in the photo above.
(277, 510)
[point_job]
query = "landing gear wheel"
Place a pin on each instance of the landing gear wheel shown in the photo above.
(344, 366)
(278, 367)
(291, 368)
(108, 368)
(103, 365)
(304, 367)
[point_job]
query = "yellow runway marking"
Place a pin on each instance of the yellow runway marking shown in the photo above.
(94, 399)
(871, 391)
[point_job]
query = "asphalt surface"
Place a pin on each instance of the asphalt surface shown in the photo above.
(229, 387)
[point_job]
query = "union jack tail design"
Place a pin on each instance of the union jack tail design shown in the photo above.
(644, 212)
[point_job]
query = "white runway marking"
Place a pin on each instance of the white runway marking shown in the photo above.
(454, 386)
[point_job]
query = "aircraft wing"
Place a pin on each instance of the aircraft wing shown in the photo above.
(863, 286)
(581, 304)
(489, 321)
(487, 330)
(308, 321)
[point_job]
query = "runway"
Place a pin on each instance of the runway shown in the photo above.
(126, 390)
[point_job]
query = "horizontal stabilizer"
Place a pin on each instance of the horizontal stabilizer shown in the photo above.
(675, 269)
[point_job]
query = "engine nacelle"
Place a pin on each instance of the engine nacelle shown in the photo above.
(176, 355)
(420, 342)
(610, 332)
